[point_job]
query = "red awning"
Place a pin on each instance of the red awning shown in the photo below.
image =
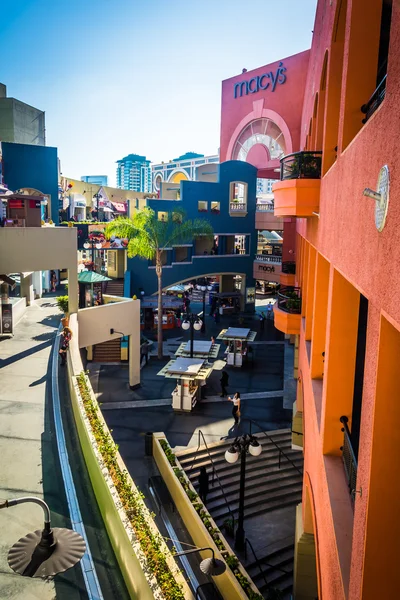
(119, 206)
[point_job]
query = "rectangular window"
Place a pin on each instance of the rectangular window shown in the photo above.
(215, 207)
(202, 206)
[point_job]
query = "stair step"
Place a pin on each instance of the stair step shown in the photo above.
(285, 563)
(219, 457)
(283, 491)
(260, 507)
(264, 487)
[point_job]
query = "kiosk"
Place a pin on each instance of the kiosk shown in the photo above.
(201, 349)
(189, 374)
(237, 339)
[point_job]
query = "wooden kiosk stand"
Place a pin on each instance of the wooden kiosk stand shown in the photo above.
(189, 373)
(237, 339)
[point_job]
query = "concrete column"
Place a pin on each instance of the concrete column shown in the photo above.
(37, 283)
(73, 290)
(134, 359)
(27, 288)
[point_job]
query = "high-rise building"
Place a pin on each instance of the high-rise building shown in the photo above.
(19, 122)
(179, 169)
(95, 179)
(134, 173)
(264, 186)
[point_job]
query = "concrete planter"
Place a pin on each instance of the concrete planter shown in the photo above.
(227, 583)
(137, 574)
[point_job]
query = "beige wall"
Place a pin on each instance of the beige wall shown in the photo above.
(24, 249)
(267, 220)
(114, 194)
(95, 322)
(116, 263)
(169, 190)
(208, 172)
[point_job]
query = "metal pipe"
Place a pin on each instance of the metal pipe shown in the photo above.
(33, 499)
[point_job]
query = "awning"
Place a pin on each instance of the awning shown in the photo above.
(105, 209)
(92, 277)
(119, 206)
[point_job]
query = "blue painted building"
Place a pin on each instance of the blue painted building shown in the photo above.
(28, 166)
(229, 205)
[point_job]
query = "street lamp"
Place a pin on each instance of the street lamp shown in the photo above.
(44, 553)
(92, 244)
(191, 321)
(204, 289)
(243, 445)
(209, 566)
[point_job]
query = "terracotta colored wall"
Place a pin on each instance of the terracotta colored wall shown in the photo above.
(345, 234)
(286, 100)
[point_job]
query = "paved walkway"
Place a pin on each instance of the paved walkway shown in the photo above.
(30, 464)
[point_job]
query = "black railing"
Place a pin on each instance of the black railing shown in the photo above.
(301, 165)
(281, 452)
(376, 100)
(214, 474)
(289, 267)
(289, 299)
(349, 458)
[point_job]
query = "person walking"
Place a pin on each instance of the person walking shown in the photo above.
(144, 352)
(236, 407)
(65, 340)
(262, 321)
(203, 484)
(224, 383)
(53, 281)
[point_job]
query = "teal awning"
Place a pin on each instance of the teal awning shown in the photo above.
(92, 277)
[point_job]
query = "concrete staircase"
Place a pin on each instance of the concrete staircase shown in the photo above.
(107, 351)
(272, 483)
(115, 287)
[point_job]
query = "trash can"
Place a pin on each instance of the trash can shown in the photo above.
(148, 443)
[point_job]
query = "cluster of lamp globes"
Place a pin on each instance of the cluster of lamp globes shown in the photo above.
(98, 245)
(253, 447)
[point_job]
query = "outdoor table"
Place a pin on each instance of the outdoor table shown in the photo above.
(188, 372)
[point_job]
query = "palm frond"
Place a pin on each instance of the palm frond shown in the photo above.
(122, 227)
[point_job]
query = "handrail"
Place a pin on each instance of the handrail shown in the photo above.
(289, 267)
(214, 472)
(275, 444)
(301, 165)
(247, 541)
(375, 100)
(289, 299)
(349, 458)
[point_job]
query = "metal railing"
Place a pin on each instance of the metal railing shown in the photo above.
(289, 267)
(265, 208)
(289, 299)
(269, 258)
(301, 165)
(376, 100)
(349, 458)
(238, 206)
(281, 452)
(264, 562)
(214, 474)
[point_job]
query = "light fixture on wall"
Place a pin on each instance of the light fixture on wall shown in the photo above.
(381, 197)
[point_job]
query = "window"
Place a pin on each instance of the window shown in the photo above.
(238, 197)
(215, 207)
(162, 216)
(202, 206)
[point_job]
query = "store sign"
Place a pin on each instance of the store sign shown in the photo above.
(261, 82)
(250, 295)
(6, 318)
(266, 268)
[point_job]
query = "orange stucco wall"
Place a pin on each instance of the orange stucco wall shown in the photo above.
(354, 549)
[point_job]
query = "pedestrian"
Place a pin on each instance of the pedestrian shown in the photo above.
(53, 280)
(224, 383)
(270, 311)
(65, 340)
(212, 340)
(144, 351)
(236, 407)
(262, 321)
(203, 484)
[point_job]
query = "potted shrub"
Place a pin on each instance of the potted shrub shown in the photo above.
(62, 303)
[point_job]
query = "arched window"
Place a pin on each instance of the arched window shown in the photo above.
(260, 131)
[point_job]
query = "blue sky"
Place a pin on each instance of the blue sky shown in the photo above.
(139, 76)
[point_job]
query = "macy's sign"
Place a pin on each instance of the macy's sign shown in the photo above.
(261, 82)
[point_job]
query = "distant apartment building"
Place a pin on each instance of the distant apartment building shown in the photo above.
(264, 186)
(19, 122)
(95, 179)
(134, 173)
(179, 169)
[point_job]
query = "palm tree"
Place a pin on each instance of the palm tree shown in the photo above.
(149, 238)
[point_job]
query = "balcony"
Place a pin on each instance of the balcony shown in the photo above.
(376, 100)
(288, 273)
(349, 458)
(297, 193)
(287, 310)
(266, 219)
(268, 258)
(267, 267)
(237, 209)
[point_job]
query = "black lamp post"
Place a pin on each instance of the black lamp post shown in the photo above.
(191, 321)
(243, 445)
(44, 553)
(92, 244)
(209, 566)
(97, 196)
(204, 289)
